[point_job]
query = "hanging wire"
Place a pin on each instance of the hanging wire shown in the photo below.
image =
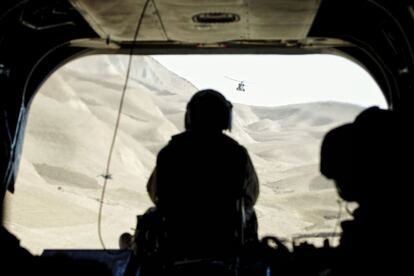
(12, 9)
(118, 120)
(338, 221)
(13, 137)
(398, 24)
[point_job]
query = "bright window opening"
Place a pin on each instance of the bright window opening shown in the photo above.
(288, 104)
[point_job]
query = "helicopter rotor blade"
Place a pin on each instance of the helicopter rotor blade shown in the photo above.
(232, 79)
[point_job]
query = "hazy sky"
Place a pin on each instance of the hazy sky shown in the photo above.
(279, 79)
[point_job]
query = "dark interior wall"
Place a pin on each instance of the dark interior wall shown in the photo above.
(382, 32)
(33, 42)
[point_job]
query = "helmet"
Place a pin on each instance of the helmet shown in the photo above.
(363, 157)
(208, 110)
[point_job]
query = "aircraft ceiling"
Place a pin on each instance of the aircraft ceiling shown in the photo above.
(217, 21)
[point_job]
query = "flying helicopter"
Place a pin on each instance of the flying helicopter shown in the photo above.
(240, 86)
(106, 176)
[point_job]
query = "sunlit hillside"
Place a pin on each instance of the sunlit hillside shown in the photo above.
(69, 134)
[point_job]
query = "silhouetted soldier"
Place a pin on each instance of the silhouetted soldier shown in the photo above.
(125, 241)
(365, 160)
(204, 182)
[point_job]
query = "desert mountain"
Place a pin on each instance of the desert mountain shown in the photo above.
(69, 133)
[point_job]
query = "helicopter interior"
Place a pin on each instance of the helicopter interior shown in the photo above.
(38, 37)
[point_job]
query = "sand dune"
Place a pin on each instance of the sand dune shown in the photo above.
(69, 132)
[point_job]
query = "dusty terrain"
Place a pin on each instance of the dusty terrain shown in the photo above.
(69, 133)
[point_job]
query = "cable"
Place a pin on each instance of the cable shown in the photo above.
(6, 13)
(118, 120)
(381, 65)
(399, 26)
(338, 221)
(160, 19)
(13, 139)
(22, 113)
